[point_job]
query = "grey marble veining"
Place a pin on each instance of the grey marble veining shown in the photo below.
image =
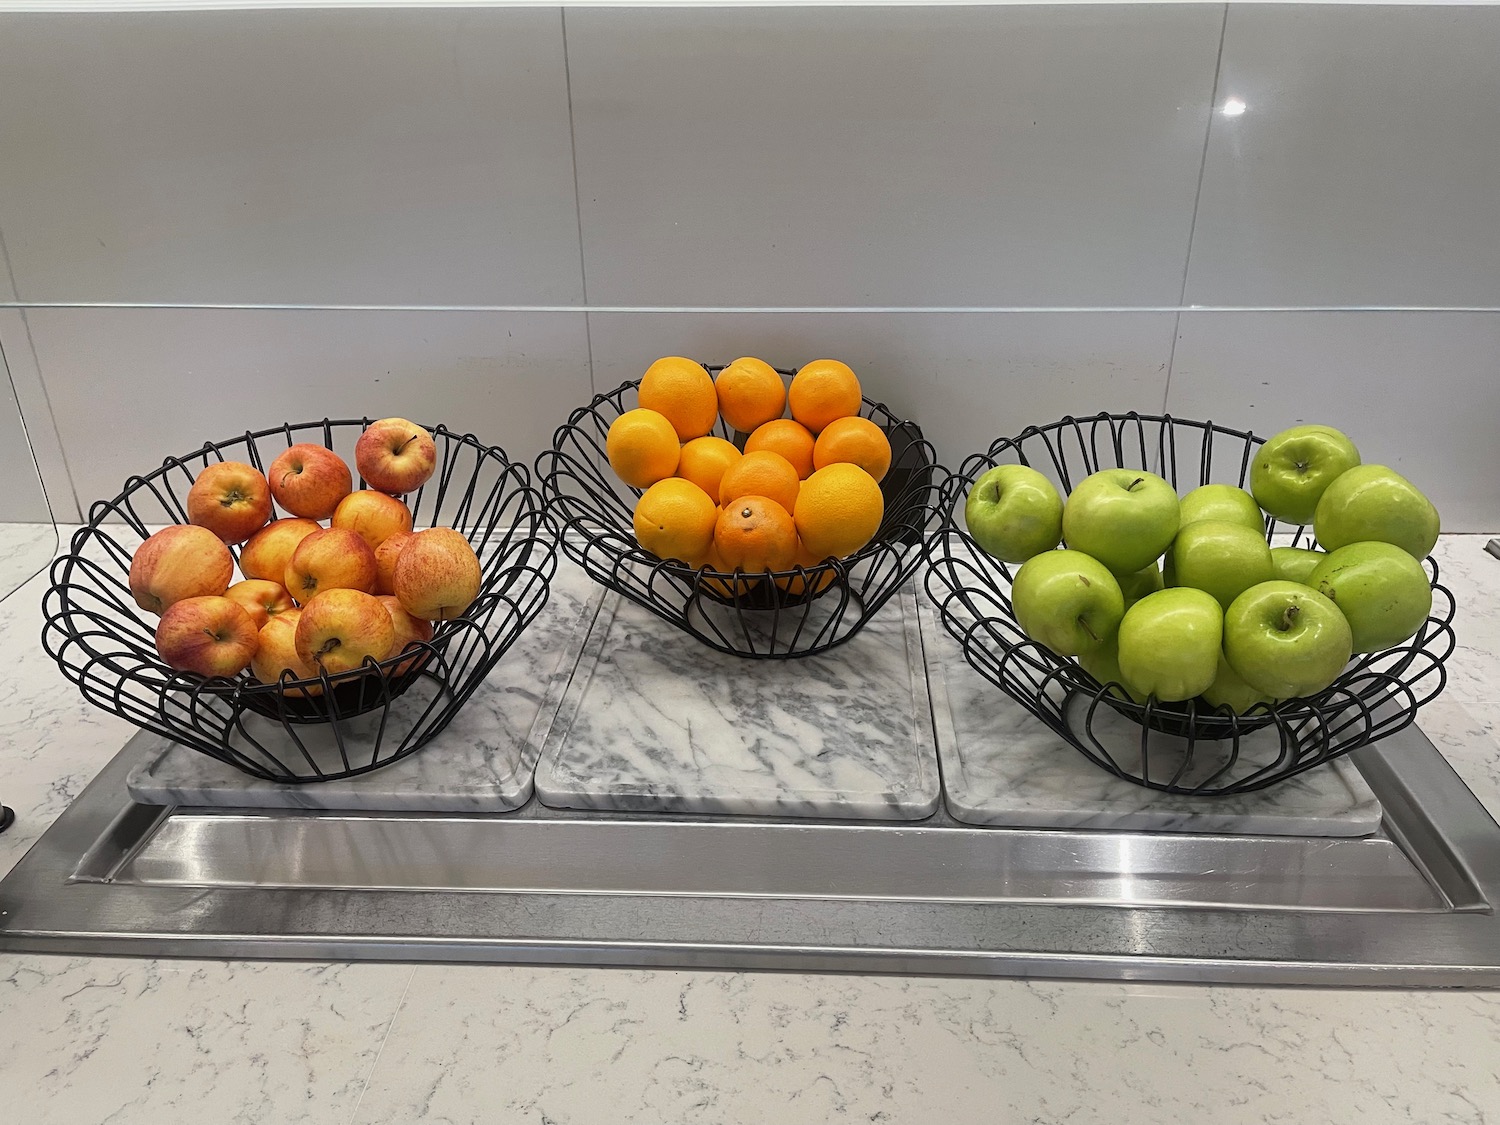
(655, 721)
(25, 548)
(481, 762)
(1003, 766)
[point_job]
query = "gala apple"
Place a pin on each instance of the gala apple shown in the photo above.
(332, 558)
(340, 629)
(231, 499)
(437, 575)
(394, 455)
(310, 480)
(182, 561)
(212, 636)
(270, 548)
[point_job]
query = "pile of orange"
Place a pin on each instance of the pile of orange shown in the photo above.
(804, 489)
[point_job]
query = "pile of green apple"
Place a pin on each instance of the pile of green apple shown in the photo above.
(1184, 598)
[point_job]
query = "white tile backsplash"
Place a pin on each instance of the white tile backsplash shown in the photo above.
(1013, 156)
(132, 386)
(1366, 166)
(1009, 155)
(334, 157)
(1417, 391)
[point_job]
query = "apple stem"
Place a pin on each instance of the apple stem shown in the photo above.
(1289, 618)
(328, 646)
(1131, 486)
(404, 444)
(1084, 625)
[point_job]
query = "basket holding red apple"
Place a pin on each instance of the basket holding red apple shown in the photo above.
(287, 586)
(328, 579)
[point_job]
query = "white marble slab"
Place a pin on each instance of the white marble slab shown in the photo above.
(481, 762)
(655, 721)
(1003, 766)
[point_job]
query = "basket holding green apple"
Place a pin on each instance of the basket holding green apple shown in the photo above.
(1101, 585)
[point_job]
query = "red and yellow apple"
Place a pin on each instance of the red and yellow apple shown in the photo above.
(261, 599)
(331, 558)
(385, 561)
(231, 499)
(437, 574)
(339, 629)
(374, 515)
(310, 480)
(408, 629)
(181, 561)
(270, 548)
(394, 455)
(210, 635)
(278, 653)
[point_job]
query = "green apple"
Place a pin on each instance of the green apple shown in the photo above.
(1374, 502)
(1067, 601)
(1286, 639)
(1222, 502)
(1220, 558)
(1125, 518)
(1294, 564)
(1104, 665)
(1013, 512)
(1169, 644)
(1293, 468)
(1382, 591)
(1229, 690)
(1145, 581)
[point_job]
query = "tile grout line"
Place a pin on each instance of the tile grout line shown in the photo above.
(36, 363)
(1187, 260)
(583, 272)
(795, 310)
(384, 1039)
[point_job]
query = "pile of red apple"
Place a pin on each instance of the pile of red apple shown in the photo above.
(1178, 598)
(311, 599)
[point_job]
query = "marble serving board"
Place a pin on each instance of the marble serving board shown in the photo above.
(1003, 766)
(655, 721)
(481, 762)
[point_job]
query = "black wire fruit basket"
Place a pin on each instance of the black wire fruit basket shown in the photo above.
(773, 615)
(334, 726)
(1187, 748)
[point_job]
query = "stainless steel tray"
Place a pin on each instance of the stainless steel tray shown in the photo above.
(1411, 905)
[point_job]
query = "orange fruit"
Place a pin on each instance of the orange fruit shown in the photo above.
(822, 392)
(674, 519)
(642, 448)
(788, 438)
(683, 393)
(755, 534)
(704, 461)
(730, 588)
(838, 511)
(799, 585)
(750, 392)
(761, 474)
(857, 441)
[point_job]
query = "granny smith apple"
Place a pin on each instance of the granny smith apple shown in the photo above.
(1286, 639)
(1145, 581)
(1229, 690)
(1169, 643)
(1291, 470)
(1374, 502)
(1125, 518)
(1104, 665)
(1013, 512)
(1222, 502)
(1382, 591)
(1068, 601)
(1220, 558)
(1294, 564)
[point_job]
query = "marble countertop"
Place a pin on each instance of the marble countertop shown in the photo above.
(86, 1040)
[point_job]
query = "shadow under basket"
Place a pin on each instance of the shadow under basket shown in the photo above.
(773, 615)
(1188, 748)
(301, 730)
